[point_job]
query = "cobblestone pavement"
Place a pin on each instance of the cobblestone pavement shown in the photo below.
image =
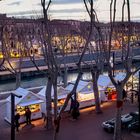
(87, 127)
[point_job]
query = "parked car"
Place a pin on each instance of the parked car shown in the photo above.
(110, 124)
(134, 126)
(135, 115)
(126, 119)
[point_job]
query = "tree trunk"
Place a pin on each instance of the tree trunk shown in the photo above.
(65, 76)
(49, 124)
(55, 106)
(55, 100)
(96, 92)
(117, 131)
(18, 79)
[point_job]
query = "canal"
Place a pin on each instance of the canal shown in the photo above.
(36, 81)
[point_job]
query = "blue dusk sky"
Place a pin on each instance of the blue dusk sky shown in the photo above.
(66, 9)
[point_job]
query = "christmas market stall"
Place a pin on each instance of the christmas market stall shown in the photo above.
(29, 100)
(85, 94)
(61, 96)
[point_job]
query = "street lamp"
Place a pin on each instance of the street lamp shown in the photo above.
(13, 95)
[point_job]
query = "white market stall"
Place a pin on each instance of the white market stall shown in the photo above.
(85, 94)
(62, 94)
(109, 89)
(29, 99)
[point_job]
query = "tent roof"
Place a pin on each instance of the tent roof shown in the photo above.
(62, 92)
(24, 93)
(42, 92)
(31, 102)
(83, 87)
(137, 74)
(80, 86)
(104, 81)
(120, 76)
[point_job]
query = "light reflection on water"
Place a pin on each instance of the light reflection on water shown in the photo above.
(38, 81)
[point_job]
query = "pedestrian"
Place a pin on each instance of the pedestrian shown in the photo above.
(44, 115)
(28, 115)
(72, 105)
(124, 95)
(57, 123)
(75, 110)
(17, 124)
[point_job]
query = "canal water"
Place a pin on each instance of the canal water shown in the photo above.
(38, 81)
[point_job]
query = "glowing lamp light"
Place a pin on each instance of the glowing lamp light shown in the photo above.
(1, 56)
(89, 86)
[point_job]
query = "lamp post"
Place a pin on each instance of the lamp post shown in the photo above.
(13, 95)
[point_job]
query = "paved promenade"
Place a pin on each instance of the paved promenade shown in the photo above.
(87, 127)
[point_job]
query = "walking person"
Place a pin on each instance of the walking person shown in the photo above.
(72, 105)
(28, 116)
(17, 124)
(44, 116)
(75, 110)
(124, 95)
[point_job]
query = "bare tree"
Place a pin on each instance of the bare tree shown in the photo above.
(73, 92)
(12, 48)
(52, 65)
(97, 51)
(126, 52)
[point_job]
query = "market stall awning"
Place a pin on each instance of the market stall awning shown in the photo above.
(61, 92)
(80, 86)
(30, 103)
(27, 96)
(104, 81)
(120, 76)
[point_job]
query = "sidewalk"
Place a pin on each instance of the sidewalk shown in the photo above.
(87, 127)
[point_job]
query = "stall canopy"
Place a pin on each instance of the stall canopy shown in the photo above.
(104, 81)
(28, 97)
(85, 88)
(61, 92)
(81, 85)
(120, 76)
(137, 74)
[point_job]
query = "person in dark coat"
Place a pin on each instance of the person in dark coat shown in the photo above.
(72, 105)
(124, 94)
(75, 110)
(28, 116)
(17, 124)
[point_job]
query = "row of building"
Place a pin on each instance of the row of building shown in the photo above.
(24, 36)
